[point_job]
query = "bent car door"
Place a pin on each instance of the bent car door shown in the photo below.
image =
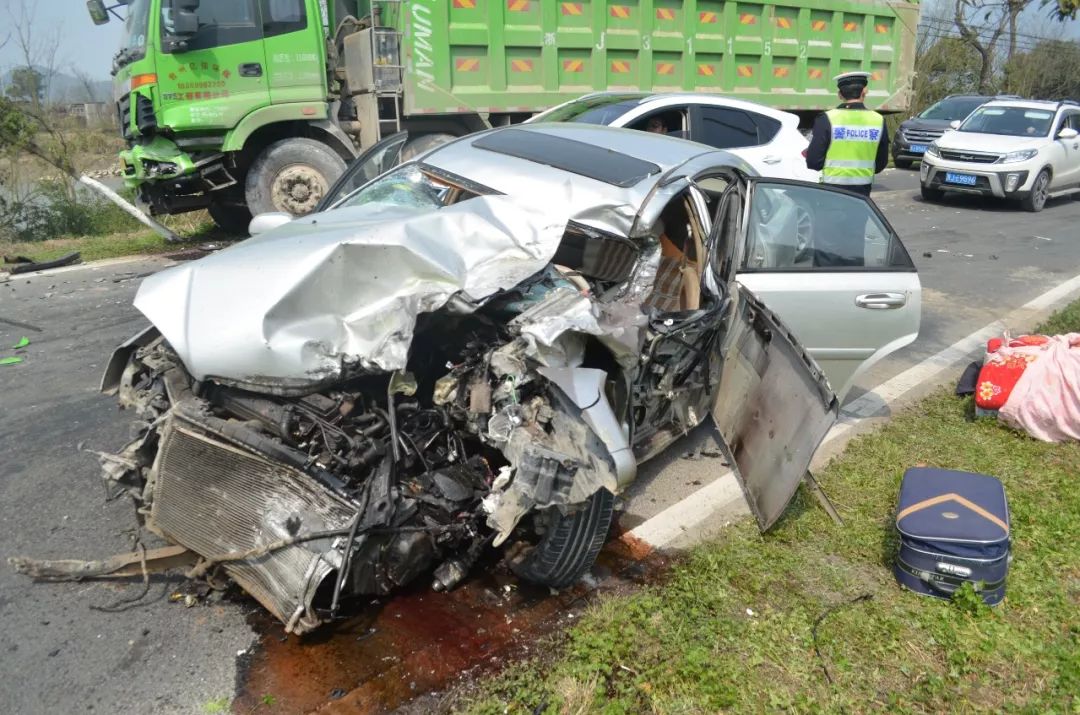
(771, 403)
(828, 262)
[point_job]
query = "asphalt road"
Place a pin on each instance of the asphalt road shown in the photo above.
(61, 654)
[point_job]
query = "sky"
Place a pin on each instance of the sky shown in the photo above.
(84, 45)
(91, 48)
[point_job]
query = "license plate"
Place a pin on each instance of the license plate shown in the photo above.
(965, 179)
(918, 148)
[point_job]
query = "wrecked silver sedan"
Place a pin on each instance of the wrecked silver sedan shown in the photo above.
(473, 350)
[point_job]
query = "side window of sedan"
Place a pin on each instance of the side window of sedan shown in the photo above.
(767, 127)
(795, 227)
(726, 128)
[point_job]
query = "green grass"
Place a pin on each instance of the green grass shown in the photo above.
(691, 645)
(116, 245)
(217, 705)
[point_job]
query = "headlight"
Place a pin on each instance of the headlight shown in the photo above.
(1018, 156)
(932, 150)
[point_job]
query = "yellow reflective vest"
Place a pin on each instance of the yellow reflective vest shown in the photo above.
(853, 146)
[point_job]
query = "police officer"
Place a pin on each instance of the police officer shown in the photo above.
(849, 144)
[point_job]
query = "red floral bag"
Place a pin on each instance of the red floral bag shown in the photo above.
(1002, 369)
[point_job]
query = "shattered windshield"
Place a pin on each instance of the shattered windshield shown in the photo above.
(133, 39)
(407, 186)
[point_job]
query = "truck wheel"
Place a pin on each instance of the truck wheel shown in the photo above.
(902, 163)
(1040, 191)
(231, 218)
(292, 176)
(571, 543)
(929, 194)
(419, 145)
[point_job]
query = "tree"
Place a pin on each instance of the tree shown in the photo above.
(40, 50)
(27, 85)
(948, 66)
(1063, 9)
(983, 38)
(1013, 9)
(86, 84)
(1051, 70)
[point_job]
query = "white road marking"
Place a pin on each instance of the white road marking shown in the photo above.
(1044, 238)
(724, 494)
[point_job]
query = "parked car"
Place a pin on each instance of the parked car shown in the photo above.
(1027, 151)
(915, 134)
(769, 139)
(480, 346)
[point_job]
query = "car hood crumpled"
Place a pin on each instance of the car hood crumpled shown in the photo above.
(340, 292)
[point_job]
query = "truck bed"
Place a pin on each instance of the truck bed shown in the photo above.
(527, 55)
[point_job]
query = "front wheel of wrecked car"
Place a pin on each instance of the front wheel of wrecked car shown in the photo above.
(571, 543)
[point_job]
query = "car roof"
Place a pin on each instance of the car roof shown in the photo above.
(585, 167)
(1026, 104)
(661, 98)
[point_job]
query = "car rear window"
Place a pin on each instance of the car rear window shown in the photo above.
(580, 158)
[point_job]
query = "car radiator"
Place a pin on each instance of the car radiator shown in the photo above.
(217, 498)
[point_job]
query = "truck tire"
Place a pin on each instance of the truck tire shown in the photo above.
(421, 144)
(232, 218)
(292, 176)
(570, 546)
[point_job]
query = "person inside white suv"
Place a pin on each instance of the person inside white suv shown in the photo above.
(1023, 150)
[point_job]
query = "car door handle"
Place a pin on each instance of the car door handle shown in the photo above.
(251, 69)
(881, 301)
(772, 159)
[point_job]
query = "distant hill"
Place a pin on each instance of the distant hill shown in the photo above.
(65, 88)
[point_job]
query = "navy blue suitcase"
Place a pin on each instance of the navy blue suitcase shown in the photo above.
(954, 528)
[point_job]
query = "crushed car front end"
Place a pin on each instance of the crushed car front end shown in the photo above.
(371, 433)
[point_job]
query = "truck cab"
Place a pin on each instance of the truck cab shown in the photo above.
(205, 94)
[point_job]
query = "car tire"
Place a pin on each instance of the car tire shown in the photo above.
(903, 163)
(422, 144)
(292, 176)
(930, 194)
(232, 218)
(1040, 189)
(571, 544)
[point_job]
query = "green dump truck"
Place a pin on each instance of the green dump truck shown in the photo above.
(248, 106)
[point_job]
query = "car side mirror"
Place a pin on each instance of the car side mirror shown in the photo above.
(954, 124)
(98, 13)
(1068, 133)
(268, 222)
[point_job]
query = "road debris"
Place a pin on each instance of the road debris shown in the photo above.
(25, 265)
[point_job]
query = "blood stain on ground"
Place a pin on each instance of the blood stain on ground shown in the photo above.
(420, 641)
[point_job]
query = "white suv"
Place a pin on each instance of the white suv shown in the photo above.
(1024, 150)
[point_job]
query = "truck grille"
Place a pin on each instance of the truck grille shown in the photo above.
(216, 498)
(975, 157)
(922, 135)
